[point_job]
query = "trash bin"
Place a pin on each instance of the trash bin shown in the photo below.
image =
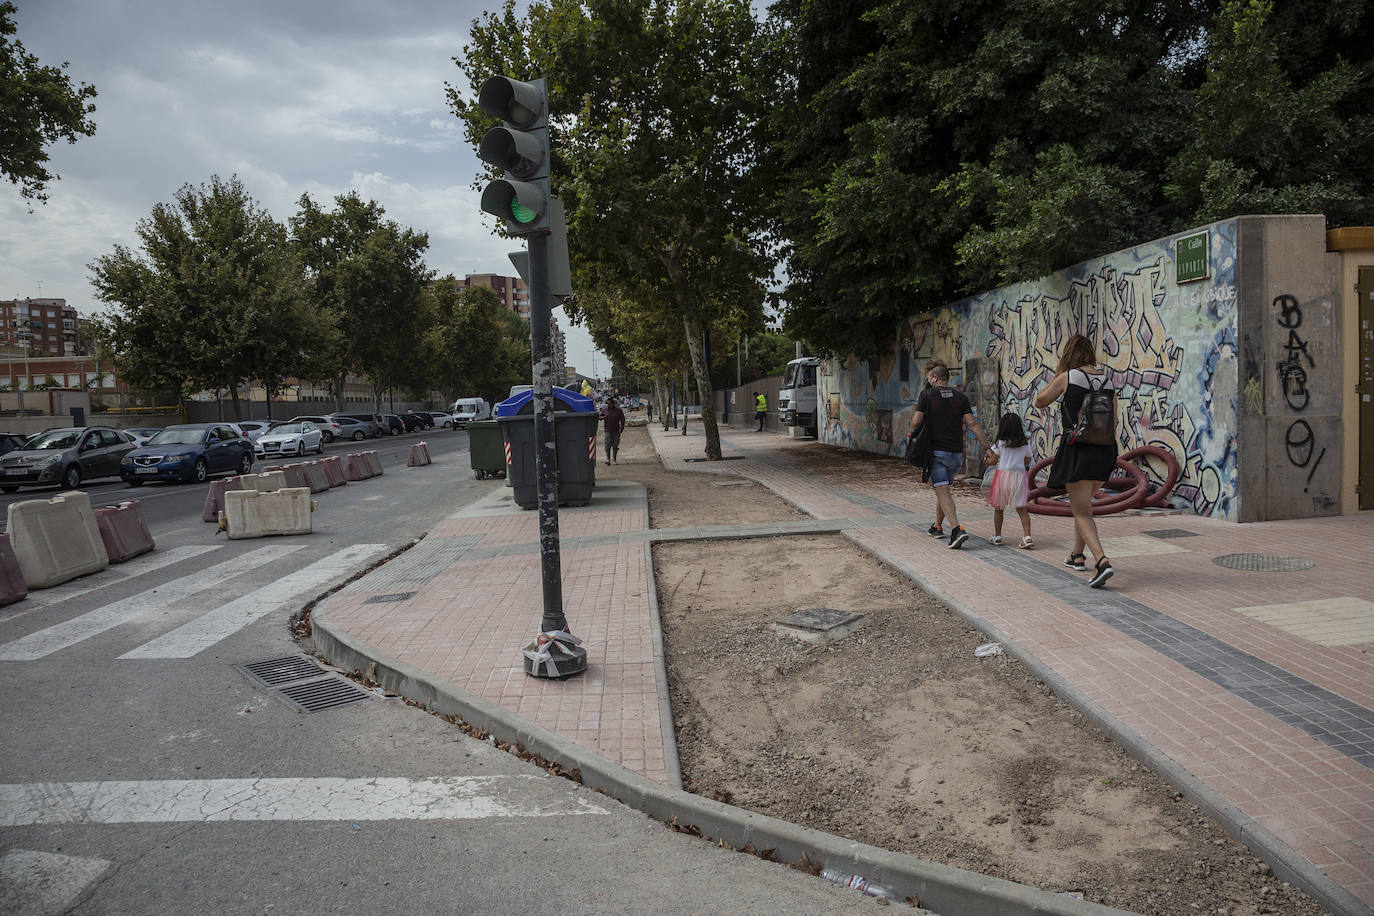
(486, 448)
(574, 431)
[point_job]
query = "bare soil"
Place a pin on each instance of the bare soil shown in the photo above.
(897, 735)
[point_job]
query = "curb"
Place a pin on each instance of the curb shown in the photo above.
(943, 888)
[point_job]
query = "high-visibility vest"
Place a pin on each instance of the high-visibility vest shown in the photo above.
(762, 405)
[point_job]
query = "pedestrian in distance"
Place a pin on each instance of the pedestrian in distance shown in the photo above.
(760, 410)
(1011, 479)
(948, 412)
(1081, 467)
(615, 422)
(649, 406)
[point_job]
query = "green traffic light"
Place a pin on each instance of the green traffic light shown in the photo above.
(521, 214)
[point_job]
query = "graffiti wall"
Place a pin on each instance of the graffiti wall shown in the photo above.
(1168, 336)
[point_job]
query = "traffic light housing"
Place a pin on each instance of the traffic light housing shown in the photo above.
(520, 148)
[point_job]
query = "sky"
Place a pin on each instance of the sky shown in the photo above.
(293, 96)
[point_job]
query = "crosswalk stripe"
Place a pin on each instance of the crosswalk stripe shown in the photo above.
(138, 566)
(200, 634)
(285, 799)
(70, 632)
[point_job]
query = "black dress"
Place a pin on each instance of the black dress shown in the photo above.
(1079, 462)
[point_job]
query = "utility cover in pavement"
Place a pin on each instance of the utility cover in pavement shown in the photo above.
(819, 624)
(1262, 562)
(1171, 533)
(300, 682)
(394, 596)
(722, 458)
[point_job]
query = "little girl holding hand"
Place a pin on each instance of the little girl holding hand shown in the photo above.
(1011, 480)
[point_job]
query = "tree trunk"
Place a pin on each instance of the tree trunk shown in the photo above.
(339, 391)
(708, 400)
(661, 400)
(234, 399)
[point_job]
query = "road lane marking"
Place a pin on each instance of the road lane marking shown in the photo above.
(138, 566)
(70, 632)
(197, 635)
(285, 799)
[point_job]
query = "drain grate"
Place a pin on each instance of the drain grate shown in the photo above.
(276, 671)
(1171, 533)
(326, 693)
(1262, 562)
(722, 458)
(394, 596)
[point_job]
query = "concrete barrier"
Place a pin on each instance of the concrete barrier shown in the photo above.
(12, 587)
(333, 469)
(315, 477)
(214, 498)
(259, 513)
(56, 539)
(373, 462)
(123, 530)
(419, 455)
(356, 467)
(264, 482)
(295, 476)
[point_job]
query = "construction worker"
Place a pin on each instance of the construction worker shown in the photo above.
(760, 410)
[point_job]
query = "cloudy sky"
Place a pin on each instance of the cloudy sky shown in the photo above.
(293, 96)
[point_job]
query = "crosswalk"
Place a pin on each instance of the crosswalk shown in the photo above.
(218, 620)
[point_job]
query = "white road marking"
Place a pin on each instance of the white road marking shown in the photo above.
(44, 883)
(200, 634)
(283, 799)
(138, 566)
(70, 632)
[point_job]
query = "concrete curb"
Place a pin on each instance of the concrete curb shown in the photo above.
(947, 890)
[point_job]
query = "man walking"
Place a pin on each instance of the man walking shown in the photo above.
(760, 410)
(615, 422)
(948, 412)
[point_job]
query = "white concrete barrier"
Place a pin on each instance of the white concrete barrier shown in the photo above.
(267, 480)
(56, 539)
(258, 513)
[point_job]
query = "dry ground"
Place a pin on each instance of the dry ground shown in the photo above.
(898, 735)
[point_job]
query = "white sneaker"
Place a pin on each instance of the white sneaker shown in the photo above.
(995, 540)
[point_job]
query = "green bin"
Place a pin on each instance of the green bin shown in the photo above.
(487, 449)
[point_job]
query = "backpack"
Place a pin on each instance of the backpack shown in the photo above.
(1096, 417)
(920, 450)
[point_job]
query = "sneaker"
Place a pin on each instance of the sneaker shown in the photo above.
(1104, 572)
(935, 531)
(995, 540)
(957, 536)
(1076, 562)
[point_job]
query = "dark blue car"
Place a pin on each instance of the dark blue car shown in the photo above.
(192, 451)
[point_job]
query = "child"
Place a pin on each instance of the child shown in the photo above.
(1011, 480)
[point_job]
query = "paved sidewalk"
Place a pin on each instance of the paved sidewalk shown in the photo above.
(1254, 688)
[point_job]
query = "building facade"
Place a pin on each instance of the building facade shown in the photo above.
(42, 327)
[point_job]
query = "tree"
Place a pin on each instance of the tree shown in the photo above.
(659, 159)
(368, 272)
(214, 299)
(480, 348)
(38, 106)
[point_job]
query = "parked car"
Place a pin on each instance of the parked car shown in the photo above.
(11, 441)
(65, 457)
(289, 439)
(469, 410)
(252, 428)
(371, 421)
(394, 423)
(412, 421)
(426, 421)
(441, 418)
(141, 434)
(190, 451)
(326, 426)
(350, 428)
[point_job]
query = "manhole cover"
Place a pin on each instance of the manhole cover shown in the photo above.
(1171, 533)
(276, 671)
(1262, 562)
(819, 624)
(394, 596)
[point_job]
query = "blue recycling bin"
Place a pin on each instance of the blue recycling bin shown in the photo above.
(574, 431)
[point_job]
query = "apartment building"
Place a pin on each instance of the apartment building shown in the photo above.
(42, 327)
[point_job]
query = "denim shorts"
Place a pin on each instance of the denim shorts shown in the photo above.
(944, 467)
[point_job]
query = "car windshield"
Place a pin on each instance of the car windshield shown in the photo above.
(55, 438)
(286, 428)
(345, 420)
(175, 436)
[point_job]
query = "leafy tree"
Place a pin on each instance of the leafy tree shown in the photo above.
(214, 298)
(480, 348)
(657, 136)
(368, 273)
(38, 106)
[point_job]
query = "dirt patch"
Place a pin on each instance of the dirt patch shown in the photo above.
(897, 735)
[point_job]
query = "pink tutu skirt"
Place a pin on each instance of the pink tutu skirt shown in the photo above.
(1009, 489)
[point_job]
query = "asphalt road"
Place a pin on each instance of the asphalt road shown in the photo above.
(142, 771)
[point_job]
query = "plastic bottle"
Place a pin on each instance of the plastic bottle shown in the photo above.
(858, 883)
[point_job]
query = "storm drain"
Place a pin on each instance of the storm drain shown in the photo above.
(722, 458)
(1262, 562)
(1171, 533)
(298, 681)
(394, 596)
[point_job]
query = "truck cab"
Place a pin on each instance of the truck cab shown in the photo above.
(797, 394)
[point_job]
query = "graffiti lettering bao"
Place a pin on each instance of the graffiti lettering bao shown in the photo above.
(1298, 439)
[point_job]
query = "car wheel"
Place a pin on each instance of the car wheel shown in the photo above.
(72, 478)
(245, 464)
(200, 471)
(359, 436)
(300, 449)
(319, 446)
(9, 489)
(327, 437)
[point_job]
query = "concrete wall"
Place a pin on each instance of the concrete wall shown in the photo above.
(1186, 380)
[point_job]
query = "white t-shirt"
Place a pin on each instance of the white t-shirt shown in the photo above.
(1011, 458)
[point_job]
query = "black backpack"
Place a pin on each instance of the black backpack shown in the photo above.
(1096, 417)
(920, 450)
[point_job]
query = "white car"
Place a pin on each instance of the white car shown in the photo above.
(289, 439)
(441, 418)
(252, 428)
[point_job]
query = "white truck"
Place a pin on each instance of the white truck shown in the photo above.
(797, 403)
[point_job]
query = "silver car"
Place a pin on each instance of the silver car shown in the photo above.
(65, 457)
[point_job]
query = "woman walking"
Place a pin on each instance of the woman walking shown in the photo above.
(1080, 468)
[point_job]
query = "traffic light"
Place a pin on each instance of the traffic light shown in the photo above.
(520, 147)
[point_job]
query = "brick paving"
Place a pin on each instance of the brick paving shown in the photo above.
(1211, 667)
